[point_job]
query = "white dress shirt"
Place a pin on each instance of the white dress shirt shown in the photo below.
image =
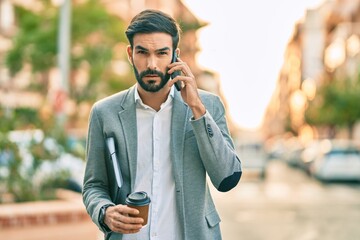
(154, 172)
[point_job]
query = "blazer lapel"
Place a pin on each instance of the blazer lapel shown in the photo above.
(128, 122)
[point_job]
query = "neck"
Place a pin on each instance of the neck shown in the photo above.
(154, 99)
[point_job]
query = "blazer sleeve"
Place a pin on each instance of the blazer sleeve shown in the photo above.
(96, 188)
(216, 146)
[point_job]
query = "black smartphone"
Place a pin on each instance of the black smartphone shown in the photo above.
(176, 73)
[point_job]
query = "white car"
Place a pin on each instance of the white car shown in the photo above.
(338, 160)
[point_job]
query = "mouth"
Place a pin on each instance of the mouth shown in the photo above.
(151, 76)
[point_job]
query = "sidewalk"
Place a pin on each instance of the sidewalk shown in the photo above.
(63, 231)
(61, 219)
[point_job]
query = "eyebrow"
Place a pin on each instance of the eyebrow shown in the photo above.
(157, 50)
(141, 48)
(163, 49)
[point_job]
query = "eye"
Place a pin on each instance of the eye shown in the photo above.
(163, 53)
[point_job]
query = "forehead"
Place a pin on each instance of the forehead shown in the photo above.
(153, 41)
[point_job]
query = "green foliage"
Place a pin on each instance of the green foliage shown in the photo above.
(98, 58)
(94, 34)
(19, 118)
(336, 104)
(91, 17)
(97, 33)
(35, 41)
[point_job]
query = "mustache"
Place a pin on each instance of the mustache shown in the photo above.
(151, 72)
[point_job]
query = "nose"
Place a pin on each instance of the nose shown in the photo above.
(151, 63)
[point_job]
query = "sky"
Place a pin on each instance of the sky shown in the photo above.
(244, 43)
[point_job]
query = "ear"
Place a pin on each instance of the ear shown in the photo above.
(129, 53)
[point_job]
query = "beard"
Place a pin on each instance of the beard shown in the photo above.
(151, 86)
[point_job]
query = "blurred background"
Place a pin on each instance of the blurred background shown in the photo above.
(288, 72)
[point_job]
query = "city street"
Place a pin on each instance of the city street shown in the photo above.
(289, 205)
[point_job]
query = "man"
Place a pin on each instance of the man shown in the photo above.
(167, 142)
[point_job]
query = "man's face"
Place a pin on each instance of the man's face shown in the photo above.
(150, 56)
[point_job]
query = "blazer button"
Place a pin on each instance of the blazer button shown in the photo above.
(209, 130)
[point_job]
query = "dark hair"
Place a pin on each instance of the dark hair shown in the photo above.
(151, 21)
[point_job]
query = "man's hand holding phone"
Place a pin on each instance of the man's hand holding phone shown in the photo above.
(186, 83)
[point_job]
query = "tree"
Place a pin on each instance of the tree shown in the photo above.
(336, 105)
(34, 43)
(94, 34)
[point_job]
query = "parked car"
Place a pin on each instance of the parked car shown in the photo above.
(275, 148)
(310, 151)
(337, 160)
(253, 157)
(291, 154)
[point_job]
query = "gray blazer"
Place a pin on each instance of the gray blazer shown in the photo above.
(198, 148)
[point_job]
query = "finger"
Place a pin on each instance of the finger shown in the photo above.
(126, 226)
(186, 80)
(129, 220)
(171, 82)
(175, 68)
(129, 210)
(185, 70)
(125, 210)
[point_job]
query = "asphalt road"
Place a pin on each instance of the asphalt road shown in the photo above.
(289, 205)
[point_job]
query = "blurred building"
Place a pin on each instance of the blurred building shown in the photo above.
(324, 44)
(12, 88)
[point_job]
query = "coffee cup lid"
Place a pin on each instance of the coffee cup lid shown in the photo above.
(137, 199)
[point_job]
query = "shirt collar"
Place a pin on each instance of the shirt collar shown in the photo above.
(138, 100)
